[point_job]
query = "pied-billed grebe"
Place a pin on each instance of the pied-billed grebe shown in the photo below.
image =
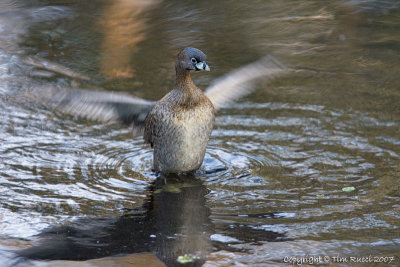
(178, 126)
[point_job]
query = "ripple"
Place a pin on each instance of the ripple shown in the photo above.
(273, 171)
(224, 167)
(62, 169)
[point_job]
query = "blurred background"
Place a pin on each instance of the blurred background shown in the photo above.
(308, 164)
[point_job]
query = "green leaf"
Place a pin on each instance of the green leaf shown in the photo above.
(186, 259)
(348, 189)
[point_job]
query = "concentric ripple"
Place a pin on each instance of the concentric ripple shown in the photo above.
(305, 156)
(306, 164)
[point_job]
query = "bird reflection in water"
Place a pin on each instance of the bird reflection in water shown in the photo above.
(174, 221)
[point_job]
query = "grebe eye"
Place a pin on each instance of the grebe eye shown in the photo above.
(193, 60)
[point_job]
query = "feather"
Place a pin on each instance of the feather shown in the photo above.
(96, 105)
(241, 81)
(121, 107)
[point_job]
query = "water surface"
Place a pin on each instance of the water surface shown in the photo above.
(271, 184)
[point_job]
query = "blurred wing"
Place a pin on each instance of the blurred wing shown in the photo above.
(96, 105)
(241, 81)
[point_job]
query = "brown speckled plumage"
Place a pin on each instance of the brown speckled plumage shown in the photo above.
(179, 126)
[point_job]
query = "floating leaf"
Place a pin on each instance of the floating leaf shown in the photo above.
(186, 259)
(320, 195)
(348, 189)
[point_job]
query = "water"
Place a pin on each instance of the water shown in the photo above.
(270, 189)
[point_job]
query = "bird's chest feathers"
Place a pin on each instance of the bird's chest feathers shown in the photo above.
(193, 125)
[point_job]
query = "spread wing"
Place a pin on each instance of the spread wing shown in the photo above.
(119, 107)
(96, 105)
(241, 81)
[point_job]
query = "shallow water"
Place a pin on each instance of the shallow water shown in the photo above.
(271, 184)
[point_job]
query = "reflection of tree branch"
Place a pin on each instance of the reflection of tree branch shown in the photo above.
(123, 30)
(51, 66)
